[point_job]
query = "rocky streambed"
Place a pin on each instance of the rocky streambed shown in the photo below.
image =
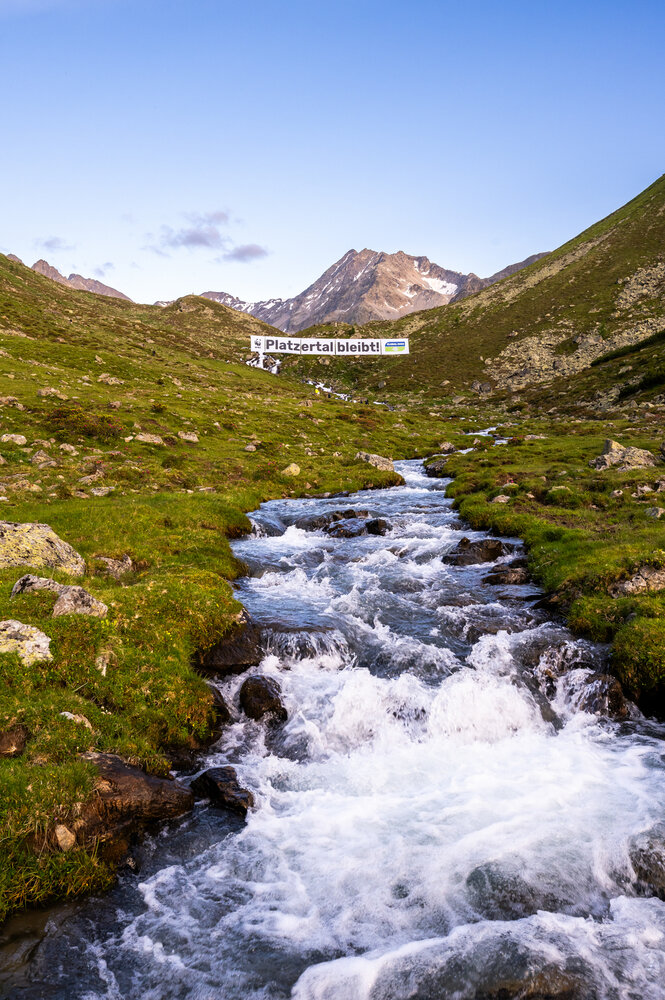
(436, 791)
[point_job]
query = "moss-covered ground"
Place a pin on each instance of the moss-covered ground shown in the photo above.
(170, 507)
(585, 529)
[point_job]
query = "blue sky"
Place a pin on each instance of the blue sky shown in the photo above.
(170, 147)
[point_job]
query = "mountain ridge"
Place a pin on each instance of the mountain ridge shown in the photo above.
(75, 281)
(367, 285)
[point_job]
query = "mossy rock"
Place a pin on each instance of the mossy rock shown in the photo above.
(37, 545)
(638, 660)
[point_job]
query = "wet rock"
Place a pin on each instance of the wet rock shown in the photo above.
(220, 785)
(550, 984)
(13, 740)
(603, 695)
(513, 575)
(26, 641)
(222, 710)
(378, 526)
(117, 568)
(647, 578)
(378, 461)
(125, 802)
(319, 522)
(435, 468)
(624, 457)
(236, 652)
(33, 544)
(468, 553)
(260, 696)
(346, 529)
(647, 856)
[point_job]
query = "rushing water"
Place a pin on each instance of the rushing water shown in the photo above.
(436, 817)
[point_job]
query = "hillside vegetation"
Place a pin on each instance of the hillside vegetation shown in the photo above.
(603, 290)
(97, 375)
(169, 441)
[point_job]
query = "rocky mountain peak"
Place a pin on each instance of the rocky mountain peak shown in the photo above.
(365, 285)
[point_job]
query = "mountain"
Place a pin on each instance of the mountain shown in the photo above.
(603, 291)
(365, 286)
(76, 281)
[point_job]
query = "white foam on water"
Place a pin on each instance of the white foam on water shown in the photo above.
(404, 812)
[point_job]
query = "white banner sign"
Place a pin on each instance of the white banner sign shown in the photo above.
(350, 348)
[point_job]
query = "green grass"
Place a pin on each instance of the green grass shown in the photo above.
(581, 540)
(172, 508)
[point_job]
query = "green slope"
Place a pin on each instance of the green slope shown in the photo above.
(601, 289)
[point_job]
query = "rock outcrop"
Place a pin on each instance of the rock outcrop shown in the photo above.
(124, 803)
(623, 457)
(33, 544)
(378, 461)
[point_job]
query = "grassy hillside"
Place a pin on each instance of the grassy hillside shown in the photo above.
(603, 289)
(95, 374)
(98, 374)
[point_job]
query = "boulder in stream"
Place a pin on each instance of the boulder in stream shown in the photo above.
(260, 696)
(239, 650)
(125, 802)
(468, 553)
(220, 785)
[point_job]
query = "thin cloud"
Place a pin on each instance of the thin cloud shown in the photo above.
(245, 252)
(204, 230)
(101, 271)
(54, 243)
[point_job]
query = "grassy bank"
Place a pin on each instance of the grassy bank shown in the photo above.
(171, 507)
(586, 530)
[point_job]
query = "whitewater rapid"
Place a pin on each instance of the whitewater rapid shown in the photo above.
(436, 814)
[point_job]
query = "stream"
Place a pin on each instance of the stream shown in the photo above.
(445, 814)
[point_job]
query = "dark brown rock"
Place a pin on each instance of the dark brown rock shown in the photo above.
(347, 529)
(603, 695)
(647, 856)
(124, 803)
(468, 553)
(13, 741)
(220, 785)
(320, 522)
(508, 575)
(435, 468)
(550, 984)
(378, 526)
(260, 696)
(236, 652)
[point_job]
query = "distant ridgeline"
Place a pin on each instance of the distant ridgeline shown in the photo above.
(349, 347)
